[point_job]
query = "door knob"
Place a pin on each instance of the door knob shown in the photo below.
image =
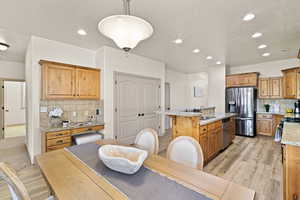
(139, 115)
(142, 114)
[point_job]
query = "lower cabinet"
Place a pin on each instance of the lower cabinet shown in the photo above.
(211, 139)
(59, 139)
(291, 172)
(266, 124)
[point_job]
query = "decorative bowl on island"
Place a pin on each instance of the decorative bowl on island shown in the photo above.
(127, 160)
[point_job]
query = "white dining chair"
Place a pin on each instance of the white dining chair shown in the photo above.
(186, 150)
(15, 186)
(147, 139)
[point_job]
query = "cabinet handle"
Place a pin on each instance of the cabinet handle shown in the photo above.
(59, 141)
(295, 197)
(60, 134)
(143, 114)
(89, 129)
(139, 115)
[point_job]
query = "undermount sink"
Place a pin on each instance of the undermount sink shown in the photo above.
(207, 117)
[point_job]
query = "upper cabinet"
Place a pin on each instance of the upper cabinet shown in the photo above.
(242, 80)
(270, 88)
(291, 83)
(63, 81)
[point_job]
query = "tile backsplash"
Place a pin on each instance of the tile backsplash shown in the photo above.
(281, 103)
(82, 108)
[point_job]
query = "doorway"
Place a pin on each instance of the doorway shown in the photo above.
(136, 100)
(13, 112)
(167, 107)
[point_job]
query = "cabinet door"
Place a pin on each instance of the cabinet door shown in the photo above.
(211, 143)
(290, 83)
(275, 87)
(88, 83)
(263, 91)
(292, 172)
(264, 127)
(58, 81)
(203, 141)
(298, 84)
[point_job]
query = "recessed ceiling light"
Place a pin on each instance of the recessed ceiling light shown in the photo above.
(82, 32)
(257, 35)
(3, 46)
(209, 57)
(178, 41)
(262, 46)
(249, 17)
(218, 62)
(266, 54)
(196, 50)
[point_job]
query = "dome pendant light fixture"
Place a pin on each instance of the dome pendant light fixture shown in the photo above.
(125, 30)
(3, 46)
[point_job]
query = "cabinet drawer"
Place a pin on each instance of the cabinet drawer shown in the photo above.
(61, 146)
(264, 116)
(58, 141)
(52, 135)
(85, 129)
(214, 125)
(203, 129)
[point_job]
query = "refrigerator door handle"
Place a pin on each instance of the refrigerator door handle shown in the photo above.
(241, 118)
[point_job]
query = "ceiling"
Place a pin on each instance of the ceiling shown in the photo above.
(215, 27)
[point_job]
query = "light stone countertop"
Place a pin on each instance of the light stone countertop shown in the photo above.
(270, 113)
(218, 116)
(180, 113)
(72, 126)
(291, 134)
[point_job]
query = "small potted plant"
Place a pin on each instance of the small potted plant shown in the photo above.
(267, 107)
(55, 117)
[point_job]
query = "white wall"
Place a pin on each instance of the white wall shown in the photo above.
(113, 60)
(178, 89)
(40, 48)
(13, 101)
(182, 89)
(12, 70)
(266, 69)
(216, 87)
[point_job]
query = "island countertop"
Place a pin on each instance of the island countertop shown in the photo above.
(218, 116)
(180, 113)
(291, 134)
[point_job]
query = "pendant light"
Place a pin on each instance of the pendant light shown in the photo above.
(3, 46)
(125, 30)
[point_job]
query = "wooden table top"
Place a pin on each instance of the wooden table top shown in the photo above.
(70, 179)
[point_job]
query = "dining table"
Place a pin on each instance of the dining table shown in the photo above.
(69, 178)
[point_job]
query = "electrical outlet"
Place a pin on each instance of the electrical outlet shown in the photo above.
(43, 109)
(86, 113)
(74, 114)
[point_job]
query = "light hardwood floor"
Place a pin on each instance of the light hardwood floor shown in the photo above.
(252, 162)
(13, 151)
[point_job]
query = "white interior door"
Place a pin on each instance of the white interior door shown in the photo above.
(128, 108)
(151, 103)
(1, 109)
(137, 99)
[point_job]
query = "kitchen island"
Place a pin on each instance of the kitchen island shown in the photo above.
(291, 160)
(208, 131)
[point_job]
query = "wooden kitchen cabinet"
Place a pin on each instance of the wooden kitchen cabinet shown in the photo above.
(64, 81)
(58, 81)
(290, 83)
(291, 172)
(203, 141)
(54, 140)
(264, 88)
(270, 88)
(88, 83)
(242, 80)
(275, 87)
(267, 123)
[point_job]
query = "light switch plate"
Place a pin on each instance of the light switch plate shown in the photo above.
(74, 114)
(43, 109)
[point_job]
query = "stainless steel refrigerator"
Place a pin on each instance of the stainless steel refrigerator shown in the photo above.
(242, 101)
